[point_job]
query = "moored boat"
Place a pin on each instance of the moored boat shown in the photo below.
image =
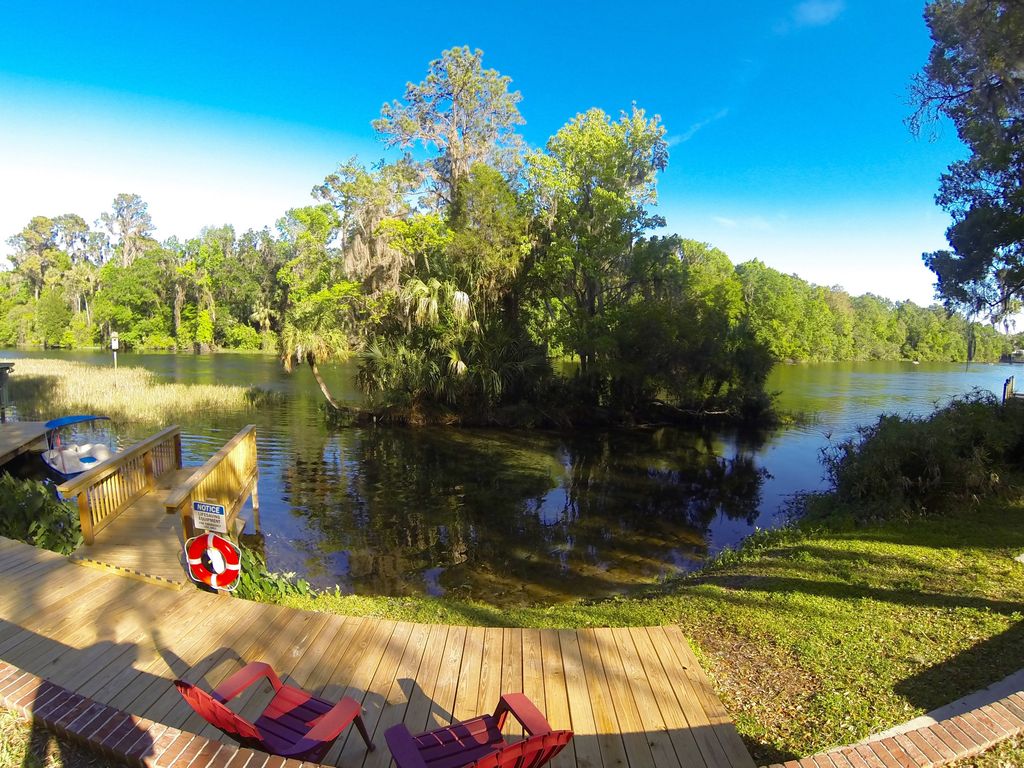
(68, 459)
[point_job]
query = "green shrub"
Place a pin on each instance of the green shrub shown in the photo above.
(907, 465)
(30, 512)
(240, 336)
(256, 582)
(159, 340)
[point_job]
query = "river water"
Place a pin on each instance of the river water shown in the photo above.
(525, 516)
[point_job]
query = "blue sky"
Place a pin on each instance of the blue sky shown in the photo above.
(785, 119)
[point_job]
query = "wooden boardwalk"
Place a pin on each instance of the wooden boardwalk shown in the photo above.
(144, 540)
(18, 437)
(135, 508)
(635, 697)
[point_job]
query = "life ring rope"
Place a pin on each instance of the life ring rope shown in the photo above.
(203, 569)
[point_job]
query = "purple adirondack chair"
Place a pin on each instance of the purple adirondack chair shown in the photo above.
(478, 743)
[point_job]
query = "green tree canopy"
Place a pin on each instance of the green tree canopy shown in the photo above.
(465, 112)
(975, 77)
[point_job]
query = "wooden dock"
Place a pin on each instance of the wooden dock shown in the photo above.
(18, 437)
(635, 698)
(135, 508)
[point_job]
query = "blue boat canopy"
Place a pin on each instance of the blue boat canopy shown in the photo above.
(64, 421)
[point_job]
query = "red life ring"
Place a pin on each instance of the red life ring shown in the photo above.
(214, 561)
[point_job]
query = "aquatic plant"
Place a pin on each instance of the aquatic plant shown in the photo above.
(45, 387)
(907, 465)
(257, 582)
(31, 512)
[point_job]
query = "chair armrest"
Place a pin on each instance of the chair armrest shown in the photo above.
(330, 724)
(403, 747)
(523, 710)
(243, 678)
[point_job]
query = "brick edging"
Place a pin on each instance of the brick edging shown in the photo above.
(941, 743)
(134, 741)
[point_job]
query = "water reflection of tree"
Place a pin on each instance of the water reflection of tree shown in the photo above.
(513, 516)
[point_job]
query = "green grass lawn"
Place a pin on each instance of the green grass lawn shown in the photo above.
(22, 746)
(819, 637)
(1008, 754)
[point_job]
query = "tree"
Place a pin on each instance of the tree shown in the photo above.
(130, 224)
(320, 305)
(71, 235)
(464, 111)
(365, 200)
(52, 318)
(592, 189)
(35, 251)
(975, 78)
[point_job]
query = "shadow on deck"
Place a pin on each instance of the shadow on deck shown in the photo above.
(635, 697)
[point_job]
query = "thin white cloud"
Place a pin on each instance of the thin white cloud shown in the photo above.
(811, 13)
(750, 223)
(817, 13)
(692, 131)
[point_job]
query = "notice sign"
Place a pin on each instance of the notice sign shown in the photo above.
(210, 517)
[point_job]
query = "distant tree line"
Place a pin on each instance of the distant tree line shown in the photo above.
(459, 280)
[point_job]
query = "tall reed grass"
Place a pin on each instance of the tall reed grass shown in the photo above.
(46, 388)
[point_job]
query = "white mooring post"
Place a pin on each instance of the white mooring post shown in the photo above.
(114, 342)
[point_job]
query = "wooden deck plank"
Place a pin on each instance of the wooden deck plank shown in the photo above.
(48, 610)
(711, 748)
(118, 647)
(447, 680)
(360, 667)
(174, 648)
(330, 679)
(347, 748)
(62, 619)
(469, 675)
(635, 737)
(188, 649)
(512, 675)
(267, 643)
(396, 702)
(533, 667)
(18, 437)
(490, 671)
(148, 659)
(421, 695)
(723, 726)
(556, 698)
(641, 663)
(609, 734)
(122, 641)
(310, 659)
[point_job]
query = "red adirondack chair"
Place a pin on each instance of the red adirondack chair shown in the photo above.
(294, 724)
(478, 743)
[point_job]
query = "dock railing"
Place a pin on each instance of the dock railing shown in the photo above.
(105, 491)
(227, 479)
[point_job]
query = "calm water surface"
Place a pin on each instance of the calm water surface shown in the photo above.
(512, 517)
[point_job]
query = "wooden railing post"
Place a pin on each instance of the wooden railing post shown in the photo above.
(85, 517)
(108, 489)
(147, 466)
(228, 478)
(177, 450)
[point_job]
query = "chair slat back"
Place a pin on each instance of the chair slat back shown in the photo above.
(529, 753)
(218, 714)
